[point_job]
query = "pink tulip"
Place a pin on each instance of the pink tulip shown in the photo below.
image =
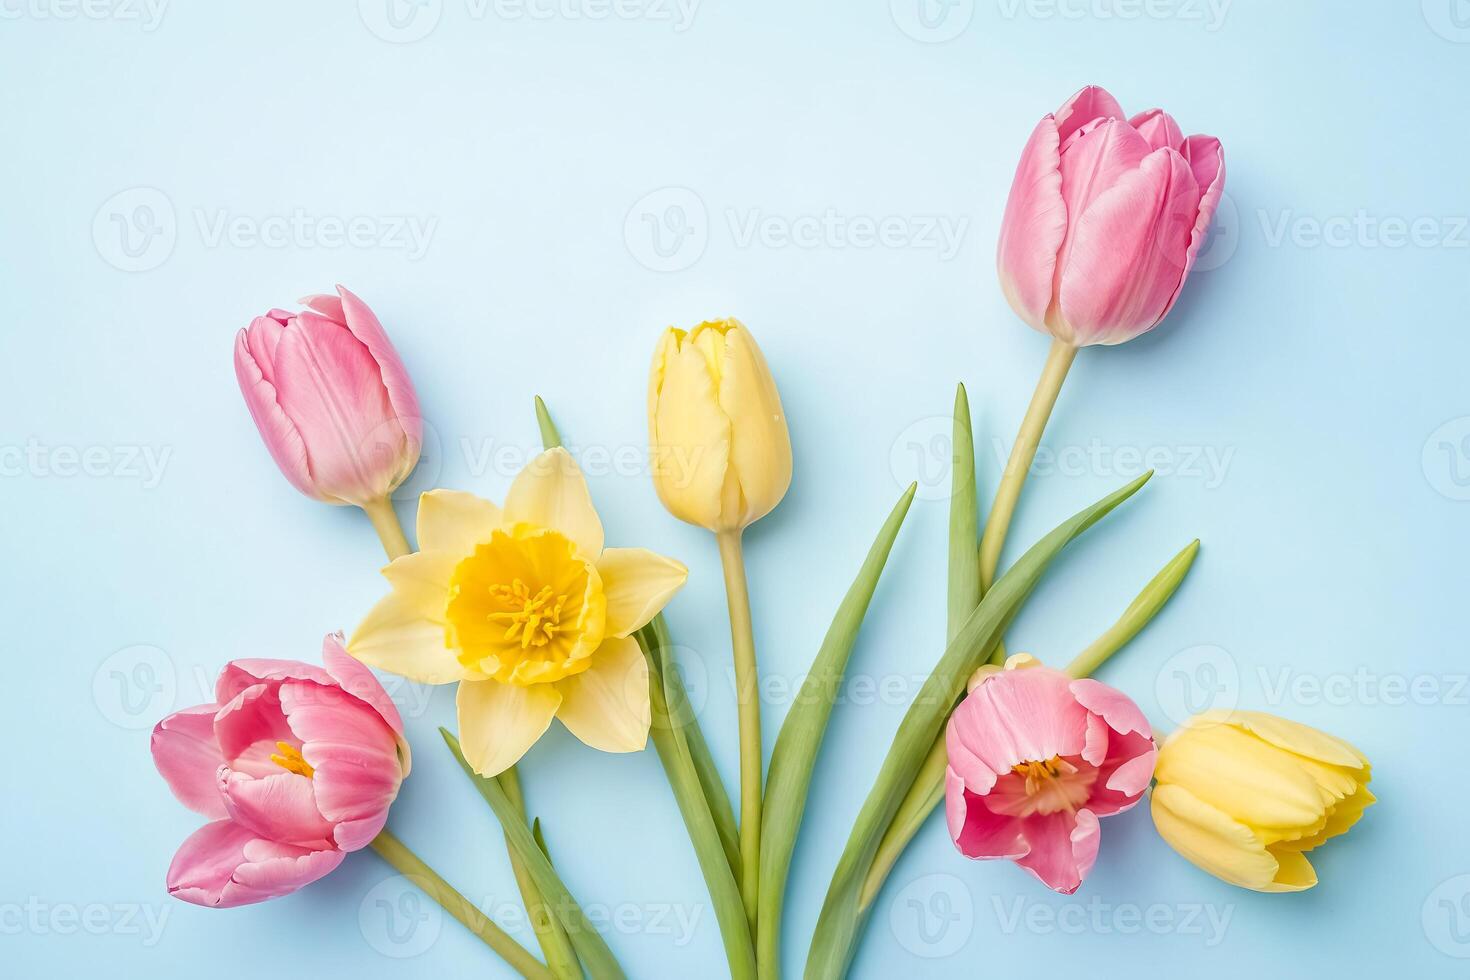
(331, 399)
(1105, 219)
(1035, 758)
(295, 764)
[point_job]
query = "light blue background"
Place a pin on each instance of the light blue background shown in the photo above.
(1326, 377)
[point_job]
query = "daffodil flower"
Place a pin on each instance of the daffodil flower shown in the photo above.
(527, 611)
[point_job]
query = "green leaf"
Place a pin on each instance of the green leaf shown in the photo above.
(964, 520)
(714, 862)
(795, 754)
(839, 924)
(589, 944)
(1138, 614)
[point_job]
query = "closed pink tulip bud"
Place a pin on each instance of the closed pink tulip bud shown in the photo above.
(1035, 758)
(295, 764)
(331, 399)
(1105, 218)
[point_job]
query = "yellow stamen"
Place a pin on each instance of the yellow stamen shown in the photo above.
(290, 760)
(539, 618)
(1036, 772)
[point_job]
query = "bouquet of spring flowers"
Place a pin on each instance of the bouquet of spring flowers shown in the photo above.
(523, 607)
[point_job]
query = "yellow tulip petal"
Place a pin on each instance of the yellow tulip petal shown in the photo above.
(637, 583)
(1301, 739)
(606, 705)
(551, 493)
(1241, 775)
(499, 722)
(421, 580)
(1339, 820)
(690, 436)
(1295, 873)
(454, 521)
(761, 455)
(1210, 839)
(397, 637)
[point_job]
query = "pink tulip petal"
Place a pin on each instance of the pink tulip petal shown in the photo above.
(365, 327)
(282, 439)
(352, 750)
(356, 679)
(988, 836)
(1063, 849)
(968, 767)
(1207, 162)
(186, 755)
(223, 865)
(1115, 707)
(1096, 749)
(332, 388)
(1088, 104)
(1126, 253)
(237, 675)
(327, 305)
(247, 729)
(1021, 715)
(1133, 776)
(281, 806)
(1159, 128)
(1034, 225)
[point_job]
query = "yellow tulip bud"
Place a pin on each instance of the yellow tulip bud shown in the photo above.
(1244, 795)
(721, 452)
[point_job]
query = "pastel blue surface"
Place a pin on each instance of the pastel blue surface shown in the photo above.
(526, 193)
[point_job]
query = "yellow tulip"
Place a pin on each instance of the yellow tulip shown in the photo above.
(1244, 795)
(527, 611)
(722, 455)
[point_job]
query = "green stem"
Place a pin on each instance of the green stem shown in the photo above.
(385, 522)
(555, 945)
(747, 693)
(408, 864)
(1058, 361)
(679, 767)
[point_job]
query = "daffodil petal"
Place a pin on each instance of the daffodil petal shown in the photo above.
(606, 705)
(637, 583)
(455, 521)
(1209, 838)
(397, 637)
(499, 722)
(551, 493)
(421, 581)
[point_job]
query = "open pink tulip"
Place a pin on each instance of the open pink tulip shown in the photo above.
(331, 399)
(1035, 758)
(1106, 216)
(295, 764)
